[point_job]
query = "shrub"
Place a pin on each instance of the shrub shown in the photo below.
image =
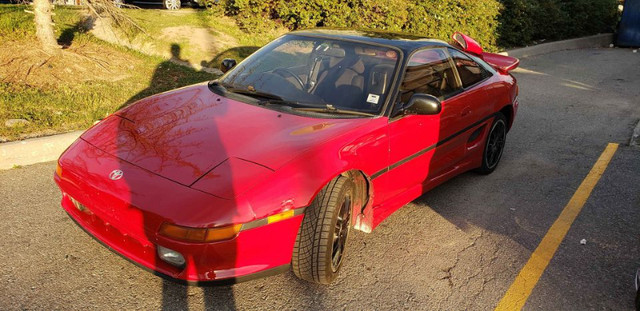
(492, 23)
(439, 19)
(525, 21)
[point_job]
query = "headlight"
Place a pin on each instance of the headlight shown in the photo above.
(170, 256)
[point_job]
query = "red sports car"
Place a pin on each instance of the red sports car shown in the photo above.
(270, 166)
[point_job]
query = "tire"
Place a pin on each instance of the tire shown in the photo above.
(494, 145)
(317, 254)
(171, 4)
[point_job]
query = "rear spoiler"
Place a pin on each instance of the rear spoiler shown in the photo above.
(500, 62)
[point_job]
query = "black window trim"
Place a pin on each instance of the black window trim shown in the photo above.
(479, 64)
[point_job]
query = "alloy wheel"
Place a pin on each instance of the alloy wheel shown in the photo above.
(495, 145)
(340, 232)
(172, 4)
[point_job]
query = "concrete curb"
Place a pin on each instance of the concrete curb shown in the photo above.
(49, 148)
(601, 40)
(35, 150)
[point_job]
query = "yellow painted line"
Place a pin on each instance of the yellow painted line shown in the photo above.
(517, 295)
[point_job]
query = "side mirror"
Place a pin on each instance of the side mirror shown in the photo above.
(423, 104)
(227, 64)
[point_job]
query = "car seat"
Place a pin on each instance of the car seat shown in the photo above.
(342, 84)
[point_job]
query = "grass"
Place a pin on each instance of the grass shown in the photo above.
(52, 110)
(53, 101)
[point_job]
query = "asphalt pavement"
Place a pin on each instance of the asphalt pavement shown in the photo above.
(458, 247)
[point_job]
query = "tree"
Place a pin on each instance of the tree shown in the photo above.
(44, 26)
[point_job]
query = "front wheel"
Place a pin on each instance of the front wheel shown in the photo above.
(321, 242)
(494, 145)
(171, 4)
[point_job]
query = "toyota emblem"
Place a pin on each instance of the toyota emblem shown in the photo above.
(115, 174)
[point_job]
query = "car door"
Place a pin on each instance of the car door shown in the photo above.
(477, 100)
(417, 144)
(474, 79)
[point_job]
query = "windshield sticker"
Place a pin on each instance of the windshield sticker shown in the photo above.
(373, 99)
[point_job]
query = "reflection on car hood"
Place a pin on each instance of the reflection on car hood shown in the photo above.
(185, 133)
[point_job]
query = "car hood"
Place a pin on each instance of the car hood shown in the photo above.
(185, 133)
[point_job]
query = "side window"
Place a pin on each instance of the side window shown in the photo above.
(428, 71)
(470, 72)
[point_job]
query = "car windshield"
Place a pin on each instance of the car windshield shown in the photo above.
(326, 74)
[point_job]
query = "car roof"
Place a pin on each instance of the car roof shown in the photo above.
(406, 42)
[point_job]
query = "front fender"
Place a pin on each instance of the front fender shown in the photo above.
(357, 154)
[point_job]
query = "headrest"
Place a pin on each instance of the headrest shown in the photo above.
(327, 50)
(358, 66)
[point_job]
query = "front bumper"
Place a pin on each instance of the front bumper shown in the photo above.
(254, 253)
(125, 216)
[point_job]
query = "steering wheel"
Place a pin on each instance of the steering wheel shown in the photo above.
(283, 72)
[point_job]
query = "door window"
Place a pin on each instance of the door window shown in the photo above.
(430, 72)
(470, 72)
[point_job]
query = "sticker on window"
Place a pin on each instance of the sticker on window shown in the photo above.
(373, 99)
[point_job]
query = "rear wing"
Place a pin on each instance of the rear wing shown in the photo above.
(500, 62)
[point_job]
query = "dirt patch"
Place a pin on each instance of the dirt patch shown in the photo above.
(206, 40)
(202, 42)
(22, 63)
(102, 29)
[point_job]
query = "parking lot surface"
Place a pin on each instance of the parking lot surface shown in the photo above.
(458, 247)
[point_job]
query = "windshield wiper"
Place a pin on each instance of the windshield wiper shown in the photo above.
(297, 105)
(254, 93)
(251, 93)
(331, 109)
(268, 98)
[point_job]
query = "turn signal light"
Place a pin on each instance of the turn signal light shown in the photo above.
(281, 216)
(59, 170)
(199, 234)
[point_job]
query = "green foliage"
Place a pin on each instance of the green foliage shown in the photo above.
(492, 23)
(440, 19)
(253, 15)
(525, 21)
(436, 19)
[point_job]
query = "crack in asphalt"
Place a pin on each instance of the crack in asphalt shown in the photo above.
(449, 270)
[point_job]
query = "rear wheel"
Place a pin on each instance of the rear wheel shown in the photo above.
(494, 145)
(321, 242)
(171, 4)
